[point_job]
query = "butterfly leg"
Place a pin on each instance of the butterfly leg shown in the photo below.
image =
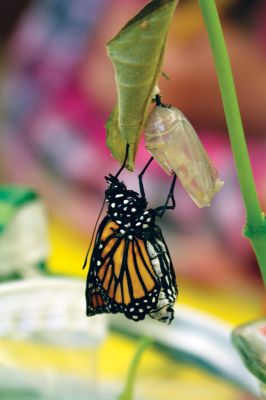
(158, 100)
(124, 162)
(141, 186)
(161, 210)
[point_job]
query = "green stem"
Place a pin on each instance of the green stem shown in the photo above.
(256, 225)
(130, 380)
(232, 113)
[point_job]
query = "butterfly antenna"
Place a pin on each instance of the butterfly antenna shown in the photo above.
(124, 162)
(93, 234)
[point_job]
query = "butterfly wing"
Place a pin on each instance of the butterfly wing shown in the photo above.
(96, 303)
(122, 274)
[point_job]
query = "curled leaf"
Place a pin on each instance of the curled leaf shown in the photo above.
(136, 53)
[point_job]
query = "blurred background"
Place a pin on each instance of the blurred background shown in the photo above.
(57, 90)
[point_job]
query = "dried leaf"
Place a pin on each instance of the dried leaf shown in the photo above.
(136, 53)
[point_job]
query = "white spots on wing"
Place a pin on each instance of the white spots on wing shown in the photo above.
(122, 231)
(130, 237)
(148, 219)
(146, 212)
(115, 214)
(135, 317)
(119, 195)
(113, 205)
(145, 226)
(131, 309)
(125, 201)
(141, 218)
(133, 209)
(118, 222)
(138, 223)
(98, 263)
(125, 208)
(127, 225)
(141, 310)
(153, 300)
(100, 246)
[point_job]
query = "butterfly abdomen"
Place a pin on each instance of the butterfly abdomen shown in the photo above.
(162, 264)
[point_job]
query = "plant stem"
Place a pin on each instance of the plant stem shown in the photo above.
(231, 110)
(132, 371)
(255, 228)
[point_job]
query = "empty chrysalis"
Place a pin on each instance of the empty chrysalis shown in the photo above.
(175, 145)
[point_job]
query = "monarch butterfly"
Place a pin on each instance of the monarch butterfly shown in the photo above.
(131, 271)
(175, 145)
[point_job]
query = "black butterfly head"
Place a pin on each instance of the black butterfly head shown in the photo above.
(123, 203)
(115, 186)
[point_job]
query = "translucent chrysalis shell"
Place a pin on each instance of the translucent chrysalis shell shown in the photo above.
(175, 145)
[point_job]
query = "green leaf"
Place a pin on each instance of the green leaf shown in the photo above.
(11, 199)
(137, 54)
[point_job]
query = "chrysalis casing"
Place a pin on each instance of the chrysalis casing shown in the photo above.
(175, 145)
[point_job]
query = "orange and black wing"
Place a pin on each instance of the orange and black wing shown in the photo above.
(121, 275)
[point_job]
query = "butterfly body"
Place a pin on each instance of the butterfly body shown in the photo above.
(130, 269)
